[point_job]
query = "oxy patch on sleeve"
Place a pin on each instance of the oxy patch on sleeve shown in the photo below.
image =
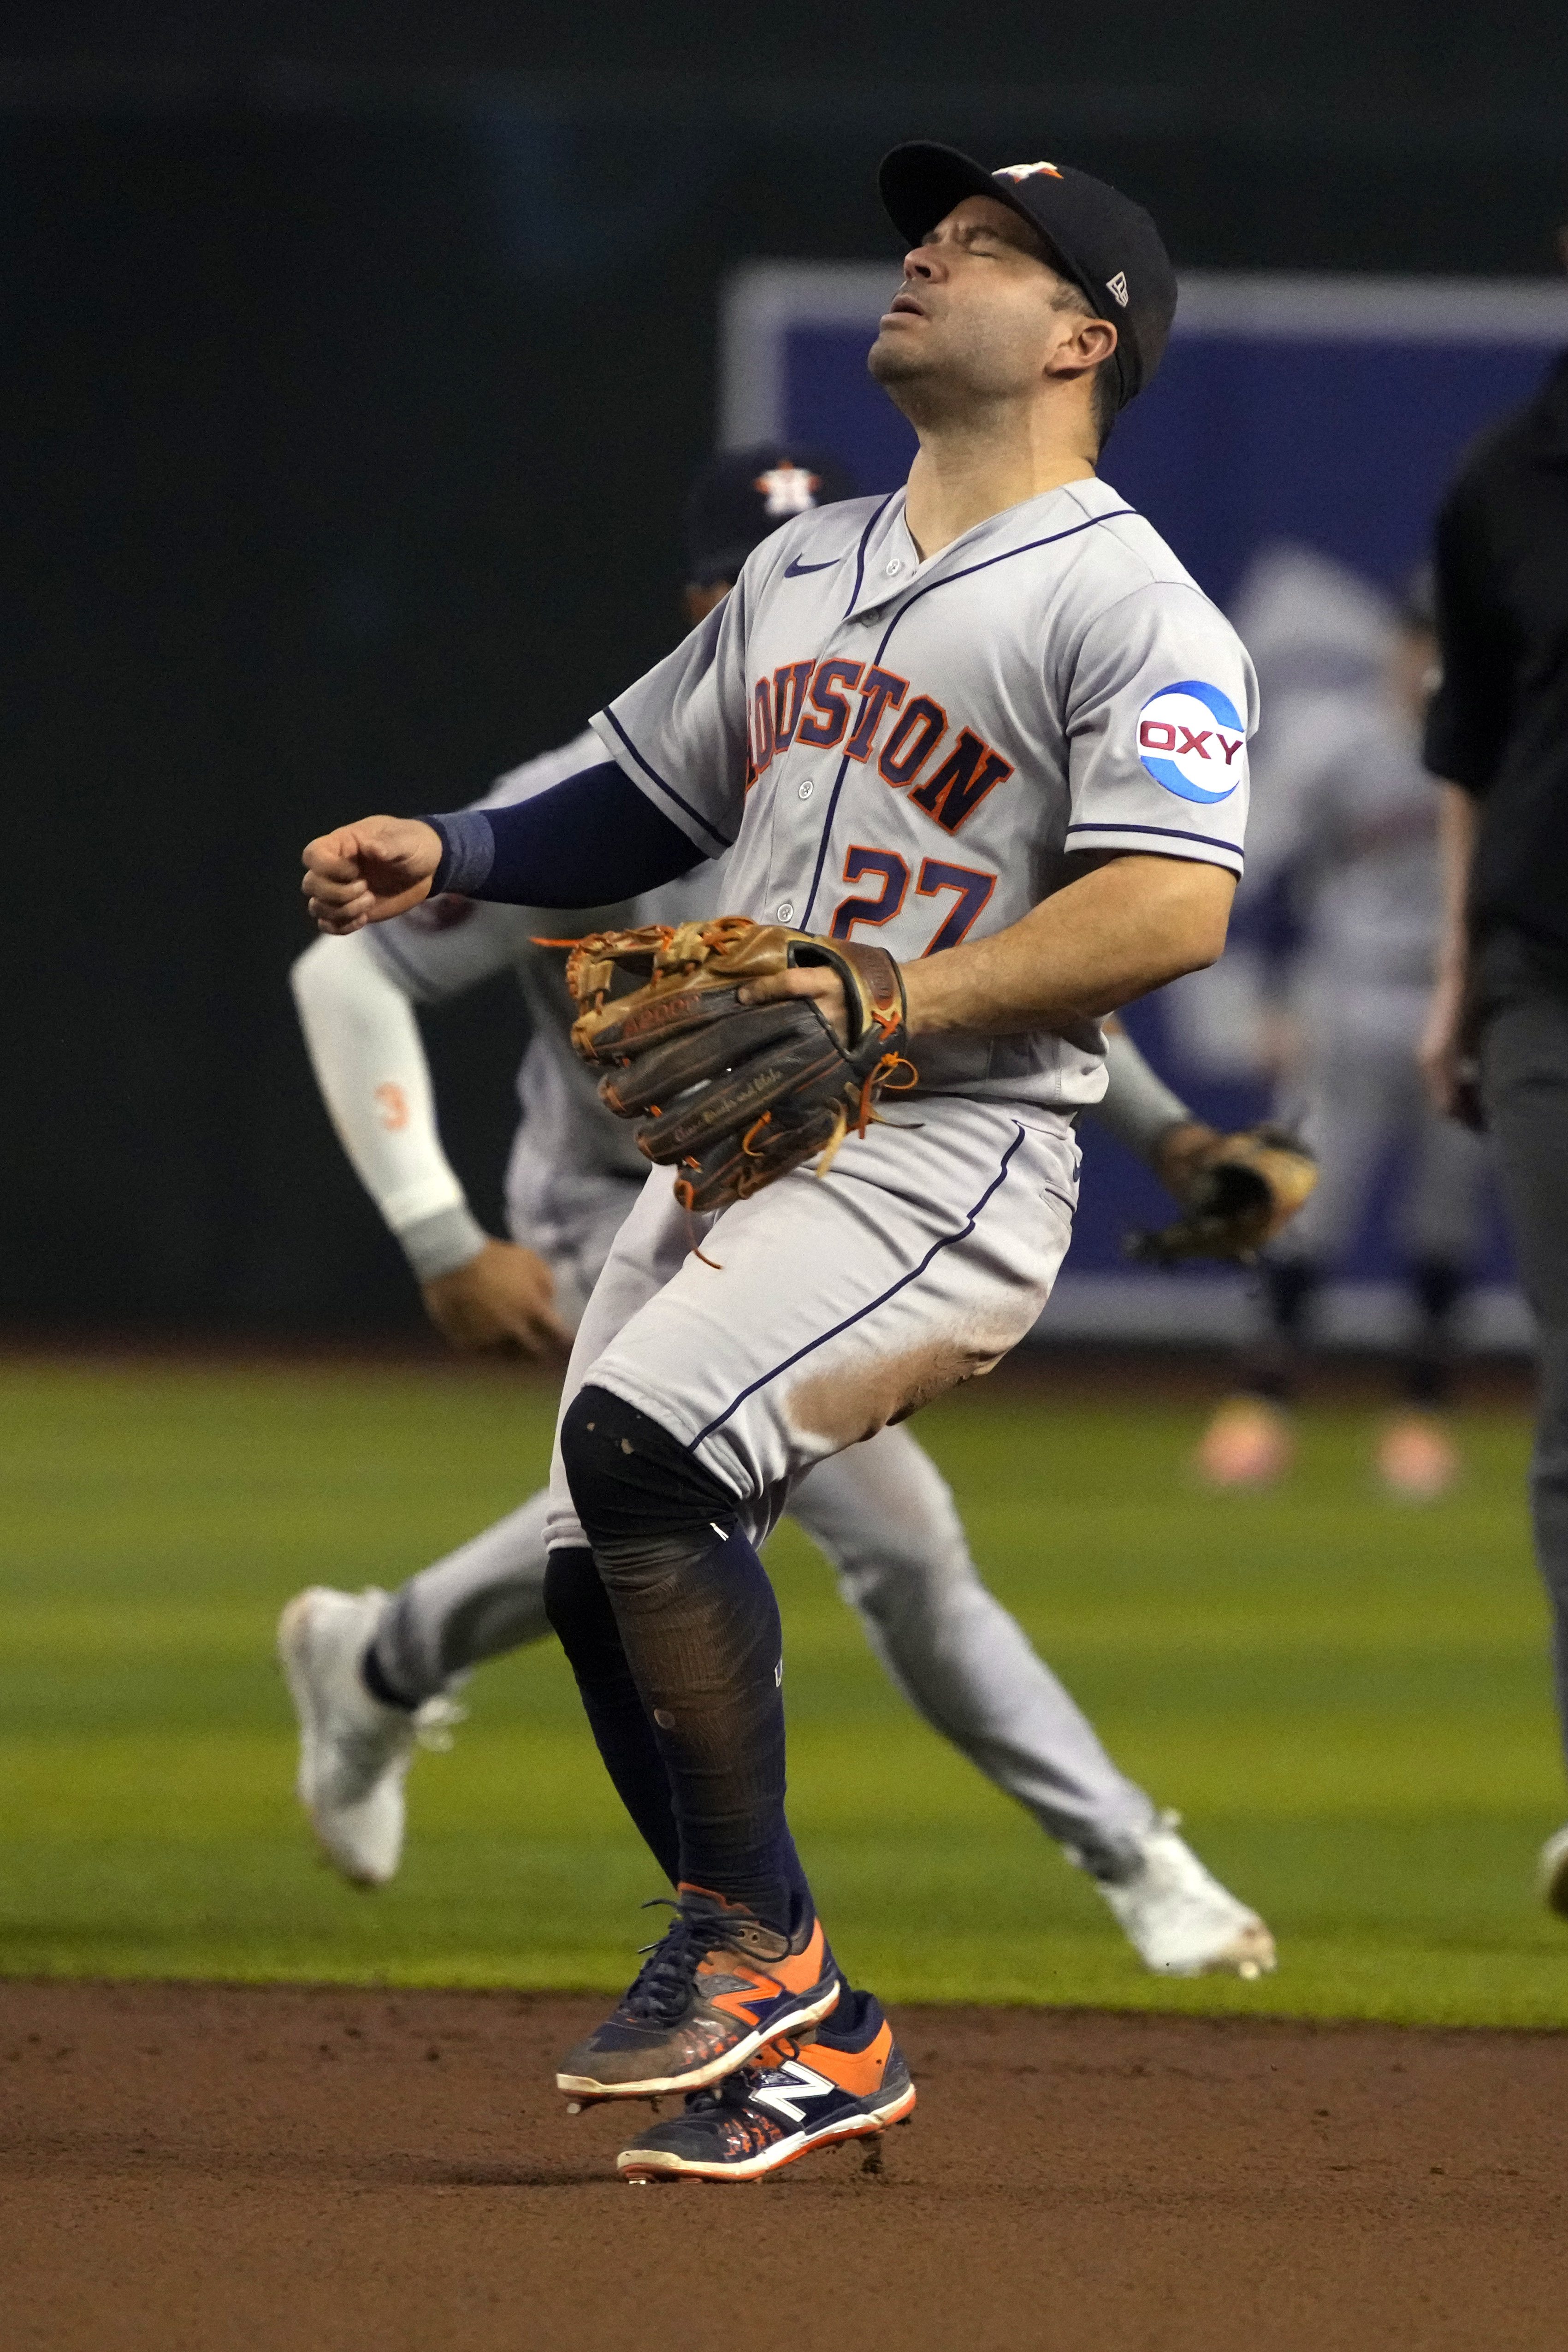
(1193, 741)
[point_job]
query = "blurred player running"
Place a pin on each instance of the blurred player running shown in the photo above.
(1347, 823)
(1005, 649)
(371, 1675)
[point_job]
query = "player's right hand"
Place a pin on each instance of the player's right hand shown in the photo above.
(1447, 1057)
(500, 1300)
(368, 872)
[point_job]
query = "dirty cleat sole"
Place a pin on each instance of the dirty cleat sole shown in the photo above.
(1178, 1917)
(1250, 1955)
(847, 2083)
(664, 2164)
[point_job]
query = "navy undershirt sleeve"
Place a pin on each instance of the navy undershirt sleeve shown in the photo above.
(584, 842)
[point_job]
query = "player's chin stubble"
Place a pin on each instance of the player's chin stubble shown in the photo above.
(890, 363)
(915, 382)
(929, 384)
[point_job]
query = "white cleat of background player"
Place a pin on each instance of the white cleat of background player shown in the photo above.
(354, 1753)
(1179, 1918)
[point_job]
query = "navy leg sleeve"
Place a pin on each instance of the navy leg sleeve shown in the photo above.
(578, 1609)
(699, 1627)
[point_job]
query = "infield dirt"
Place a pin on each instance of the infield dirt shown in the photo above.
(200, 2169)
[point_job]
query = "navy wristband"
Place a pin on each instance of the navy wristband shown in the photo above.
(467, 852)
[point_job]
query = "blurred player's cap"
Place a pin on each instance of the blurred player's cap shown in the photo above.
(743, 496)
(1104, 243)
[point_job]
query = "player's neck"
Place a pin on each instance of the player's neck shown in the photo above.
(966, 470)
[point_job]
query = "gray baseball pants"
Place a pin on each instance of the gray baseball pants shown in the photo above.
(884, 1517)
(1523, 1004)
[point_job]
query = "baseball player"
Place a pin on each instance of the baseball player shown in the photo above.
(372, 1676)
(979, 751)
(1349, 828)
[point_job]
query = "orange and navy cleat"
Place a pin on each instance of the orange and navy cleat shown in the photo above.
(719, 1984)
(846, 2081)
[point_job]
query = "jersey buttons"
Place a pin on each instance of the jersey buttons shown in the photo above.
(806, 789)
(784, 910)
(895, 567)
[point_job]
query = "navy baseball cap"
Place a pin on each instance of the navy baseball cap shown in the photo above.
(1104, 243)
(743, 496)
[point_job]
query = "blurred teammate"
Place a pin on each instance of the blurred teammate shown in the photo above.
(1346, 825)
(370, 1675)
(1497, 1039)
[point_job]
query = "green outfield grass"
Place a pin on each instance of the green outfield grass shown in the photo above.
(1347, 1700)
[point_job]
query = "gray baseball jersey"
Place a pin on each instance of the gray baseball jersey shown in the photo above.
(910, 749)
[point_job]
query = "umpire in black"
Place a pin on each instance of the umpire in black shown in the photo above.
(1496, 1047)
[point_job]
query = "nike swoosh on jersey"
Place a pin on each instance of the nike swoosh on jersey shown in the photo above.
(793, 571)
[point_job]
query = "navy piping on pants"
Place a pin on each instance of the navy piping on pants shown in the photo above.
(929, 589)
(964, 1230)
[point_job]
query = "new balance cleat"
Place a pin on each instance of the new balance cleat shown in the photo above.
(717, 1985)
(1178, 1917)
(354, 1752)
(846, 2080)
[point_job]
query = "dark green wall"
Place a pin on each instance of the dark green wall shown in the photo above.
(347, 417)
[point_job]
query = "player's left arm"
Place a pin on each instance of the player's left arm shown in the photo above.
(1155, 703)
(1125, 925)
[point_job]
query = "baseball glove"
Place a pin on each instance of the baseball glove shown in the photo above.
(1240, 1191)
(735, 1096)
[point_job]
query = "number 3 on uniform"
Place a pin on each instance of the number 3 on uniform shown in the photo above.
(935, 874)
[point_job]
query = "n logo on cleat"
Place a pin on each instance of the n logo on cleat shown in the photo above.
(788, 2083)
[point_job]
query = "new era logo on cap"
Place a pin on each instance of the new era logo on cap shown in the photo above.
(1026, 171)
(1118, 287)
